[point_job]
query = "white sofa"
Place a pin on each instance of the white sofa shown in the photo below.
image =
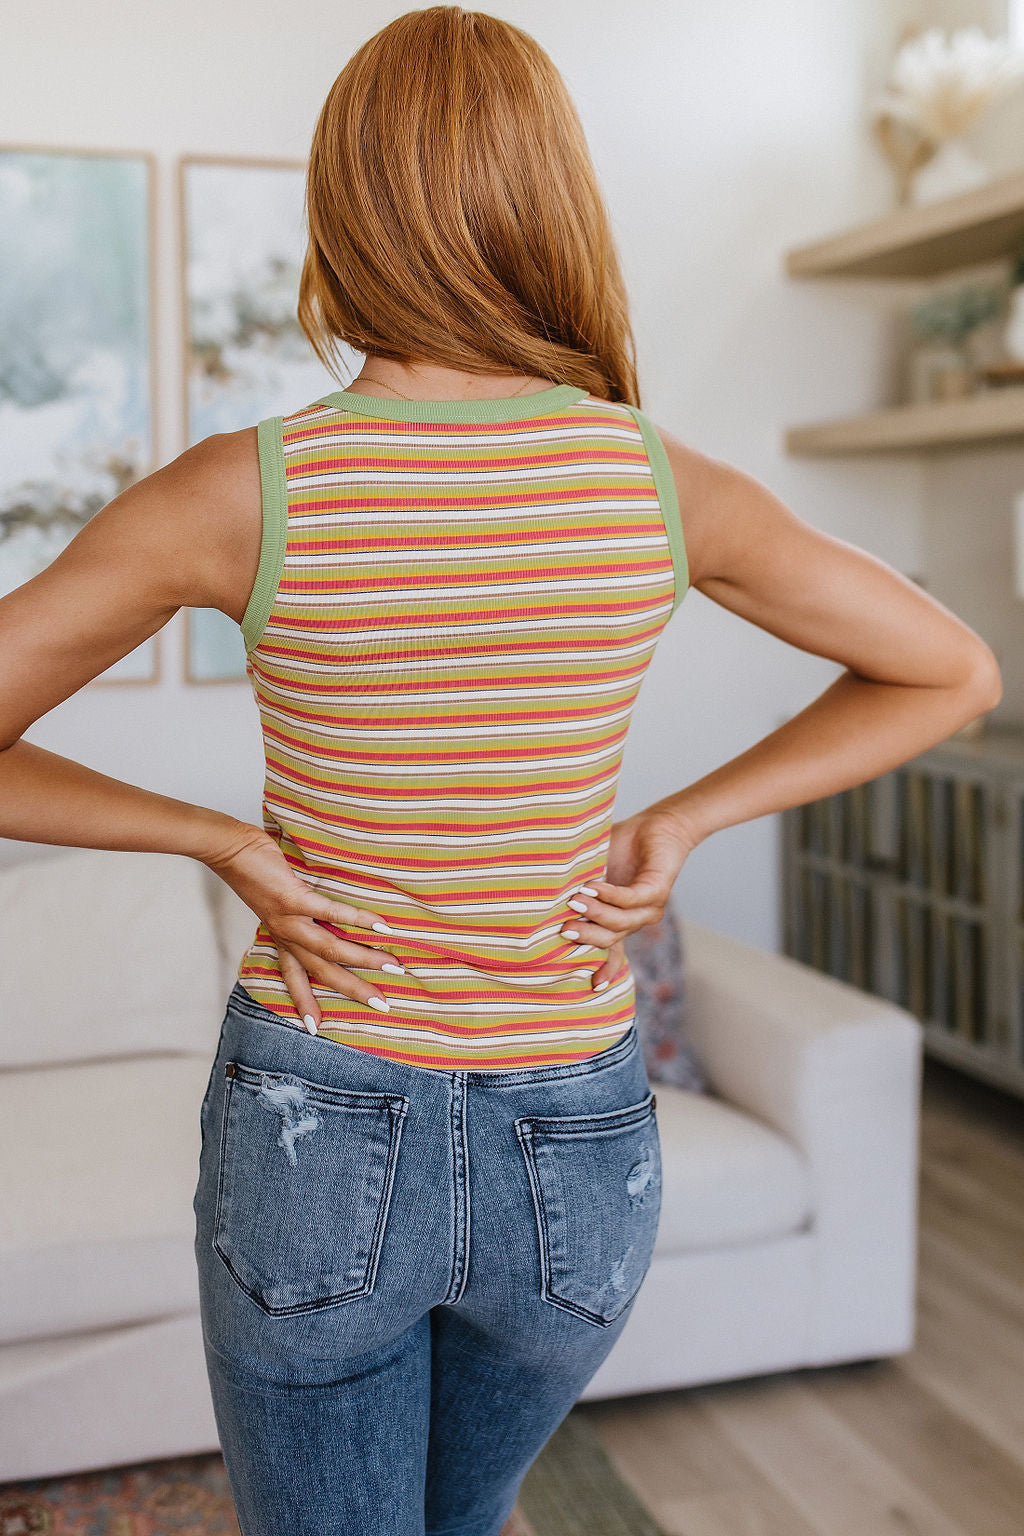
(787, 1234)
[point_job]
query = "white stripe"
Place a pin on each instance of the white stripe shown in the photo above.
(496, 628)
(413, 732)
(432, 435)
(512, 588)
(454, 694)
(446, 474)
(376, 521)
(489, 805)
(416, 886)
(441, 556)
(480, 1041)
(521, 1005)
(381, 773)
(582, 657)
(465, 973)
(582, 972)
(352, 896)
(462, 839)
(418, 883)
(384, 431)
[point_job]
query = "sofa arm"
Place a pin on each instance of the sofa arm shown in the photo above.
(234, 926)
(837, 1071)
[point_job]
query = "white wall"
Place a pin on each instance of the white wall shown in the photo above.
(723, 133)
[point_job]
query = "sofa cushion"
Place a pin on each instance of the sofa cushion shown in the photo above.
(100, 1163)
(657, 959)
(726, 1177)
(106, 953)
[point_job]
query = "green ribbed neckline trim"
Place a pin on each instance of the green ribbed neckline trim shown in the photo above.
(665, 485)
(504, 408)
(275, 530)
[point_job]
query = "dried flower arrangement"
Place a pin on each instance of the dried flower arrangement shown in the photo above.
(939, 86)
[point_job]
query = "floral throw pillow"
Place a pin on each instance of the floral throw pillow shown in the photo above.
(655, 956)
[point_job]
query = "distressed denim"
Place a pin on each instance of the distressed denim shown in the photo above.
(407, 1274)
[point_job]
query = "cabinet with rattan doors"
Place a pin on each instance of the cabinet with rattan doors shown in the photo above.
(911, 886)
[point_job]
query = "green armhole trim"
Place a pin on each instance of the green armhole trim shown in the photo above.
(665, 485)
(275, 531)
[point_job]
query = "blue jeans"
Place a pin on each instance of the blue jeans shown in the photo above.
(409, 1274)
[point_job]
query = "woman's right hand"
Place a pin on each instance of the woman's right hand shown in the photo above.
(252, 864)
(645, 854)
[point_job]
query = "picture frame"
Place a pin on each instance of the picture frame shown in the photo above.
(78, 375)
(242, 241)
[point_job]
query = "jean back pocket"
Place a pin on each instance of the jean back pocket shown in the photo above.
(304, 1185)
(596, 1186)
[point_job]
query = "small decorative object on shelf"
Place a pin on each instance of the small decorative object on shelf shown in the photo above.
(938, 88)
(911, 886)
(942, 365)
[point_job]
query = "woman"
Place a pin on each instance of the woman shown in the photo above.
(429, 1180)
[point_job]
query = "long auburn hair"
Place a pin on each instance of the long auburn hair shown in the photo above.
(454, 214)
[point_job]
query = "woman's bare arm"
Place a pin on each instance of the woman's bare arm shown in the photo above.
(186, 536)
(914, 674)
(176, 538)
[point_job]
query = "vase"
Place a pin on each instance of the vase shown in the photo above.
(938, 370)
(953, 168)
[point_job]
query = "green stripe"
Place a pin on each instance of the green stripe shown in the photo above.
(665, 484)
(500, 408)
(275, 530)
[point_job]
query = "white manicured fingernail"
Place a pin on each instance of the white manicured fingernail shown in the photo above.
(577, 906)
(379, 1003)
(381, 928)
(586, 890)
(310, 1024)
(399, 970)
(570, 933)
(600, 986)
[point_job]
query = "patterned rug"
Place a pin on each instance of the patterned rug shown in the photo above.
(572, 1489)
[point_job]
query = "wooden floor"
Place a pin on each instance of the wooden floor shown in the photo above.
(930, 1443)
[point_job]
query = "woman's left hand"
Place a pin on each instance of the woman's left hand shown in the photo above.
(645, 854)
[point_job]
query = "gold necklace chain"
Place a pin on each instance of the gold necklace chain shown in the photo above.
(369, 379)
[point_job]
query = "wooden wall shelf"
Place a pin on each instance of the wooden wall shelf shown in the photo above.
(987, 417)
(973, 227)
(982, 225)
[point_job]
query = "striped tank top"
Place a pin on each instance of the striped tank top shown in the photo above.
(454, 608)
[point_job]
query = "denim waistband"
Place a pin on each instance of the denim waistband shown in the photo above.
(241, 1001)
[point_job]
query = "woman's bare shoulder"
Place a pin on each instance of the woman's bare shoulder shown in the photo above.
(212, 493)
(201, 513)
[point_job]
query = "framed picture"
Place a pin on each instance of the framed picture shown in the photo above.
(77, 374)
(243, 242)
